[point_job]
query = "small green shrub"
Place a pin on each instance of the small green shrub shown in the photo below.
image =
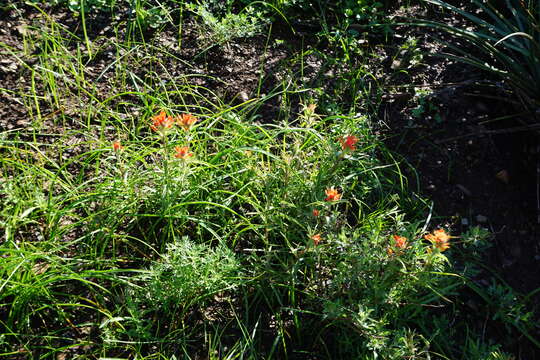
(215, 29)
(361, 10)
(190, 272)
(76, 5)
(425, 108)
(148, 16)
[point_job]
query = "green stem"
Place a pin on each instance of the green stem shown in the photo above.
(165, 194)
(86, 39)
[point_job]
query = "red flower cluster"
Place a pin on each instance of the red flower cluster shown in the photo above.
(117, 146)
(162, 122)
(186, 121)
(348, 143)
(316, 239)
(400, 244)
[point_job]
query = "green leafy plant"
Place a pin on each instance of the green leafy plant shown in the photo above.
(425, 106)
(374, 285)
(361, 10)
(78, 5)
(189, 272)
(151, 16)
(217, 29)
(133, 229)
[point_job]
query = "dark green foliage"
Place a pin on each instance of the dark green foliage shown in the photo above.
(507, 46)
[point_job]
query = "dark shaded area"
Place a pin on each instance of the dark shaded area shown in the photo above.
(478, 159)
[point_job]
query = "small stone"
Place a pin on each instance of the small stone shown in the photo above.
(481, 218)
(243, 96)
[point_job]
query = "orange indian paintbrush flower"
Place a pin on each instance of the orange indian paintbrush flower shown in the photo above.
(310, 109)
(400, 241)
(182, 152)
(161, 122)
(332, 194)
(439, 238)
(186, 121)
(348, 143)
(400, 244)
(117, 146)
(316, 212)
(316, 239)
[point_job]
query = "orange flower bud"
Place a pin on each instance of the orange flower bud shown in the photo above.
(117, 146)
